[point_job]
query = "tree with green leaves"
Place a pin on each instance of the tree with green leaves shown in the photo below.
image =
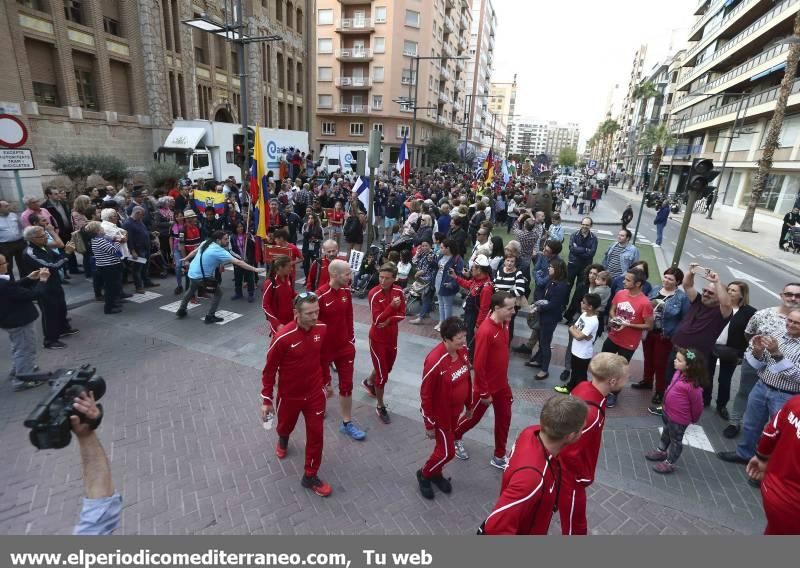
(567, 157)
(442, 148)
(773, 130)
(111, 168)
(76, 167)
(165, 174)
(656, 137)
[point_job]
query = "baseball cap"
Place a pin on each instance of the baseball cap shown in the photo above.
(481, 260)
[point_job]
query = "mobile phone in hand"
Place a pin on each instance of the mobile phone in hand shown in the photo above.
(701, 272)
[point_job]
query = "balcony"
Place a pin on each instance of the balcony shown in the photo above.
(354, 54)
(353, 109)
(761, 59)
(448, 49)
(445, 73)
(450, 3)
(355, 26)
(449, 25)
(695, 33)
(460, 64)
(354, 2)
(444, 97)
(459, 85)
(465, 23)
(406, 80)
(345, 83)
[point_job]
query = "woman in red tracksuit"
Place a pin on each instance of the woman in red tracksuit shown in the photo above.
(780, 485)
(445, 392)
(278, 294)
(480, 294)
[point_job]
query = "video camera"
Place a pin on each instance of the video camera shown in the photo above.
(49, 421)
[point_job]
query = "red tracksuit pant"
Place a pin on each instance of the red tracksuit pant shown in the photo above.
(344, 369)
(501, 403)
(781, 513)
(383, 357)
(443, 452)
(288, 411)
(572, 507)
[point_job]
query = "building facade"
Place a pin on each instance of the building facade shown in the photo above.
(623, 145)
(365, 61)
(726, 92)
(110, 77)
(560, 136)
(479, 73)
(531, 137)
(503, 102)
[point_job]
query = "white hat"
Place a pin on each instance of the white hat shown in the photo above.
(481, 260)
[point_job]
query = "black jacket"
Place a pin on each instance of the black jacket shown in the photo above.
(39, 257)
(16, 302)
(738, 323)
(63, 226)
(249, 253)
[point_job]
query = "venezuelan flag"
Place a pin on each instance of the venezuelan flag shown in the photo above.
(203, 199)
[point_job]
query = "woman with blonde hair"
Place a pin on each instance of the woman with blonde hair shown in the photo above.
(80, 217)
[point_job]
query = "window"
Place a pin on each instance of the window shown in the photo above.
(45, 94)
(289, 15)
(379, 45)
(199, 54)
(279, 10)
(412, 18)
(378, 74)
(380, 14)
(378, 126)
(86, 95)
(377, 102)
(325, 74)
(41, 5)
(410, 47)
(298, 24)
(324, 17)
(403, 130)
(234, 61)
(72, 11)
(325, 101)
(111, 26)
(329, 129)
(356, 129)
(324, 45)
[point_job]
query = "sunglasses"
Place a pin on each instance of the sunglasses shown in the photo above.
(790, 295)
(302, 296)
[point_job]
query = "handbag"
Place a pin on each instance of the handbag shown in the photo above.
(210, 284)
(78, 242)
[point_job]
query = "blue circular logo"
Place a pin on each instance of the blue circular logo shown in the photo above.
(348, 158)
(272, 150)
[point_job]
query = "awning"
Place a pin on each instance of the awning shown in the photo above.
(730, 3)
(184, 138)
(768, 71)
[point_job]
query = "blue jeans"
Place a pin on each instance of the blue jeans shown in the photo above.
(660, 232)
(23, 348)
(546, 331)
(445, 307)
(176, 257)
(762, 404)
(747, 380)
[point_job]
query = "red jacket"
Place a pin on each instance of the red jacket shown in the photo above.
(579, 460)
(446, 387)
(482, 286)
(491, 358)
(278, 302)
(780, 441)
(528, 493)
(336, 311)
(320, 266)
(383, 312)
(295, 357)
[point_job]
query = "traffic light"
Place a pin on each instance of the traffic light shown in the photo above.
(701, 175)
(361, 162)
(238, 149)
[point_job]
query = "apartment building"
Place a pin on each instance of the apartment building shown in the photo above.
(503, 102)
(366, 58)
(623, 145)
(479, 73)
(528, 137)
(110, 76)
(726, 92)
(560, 136)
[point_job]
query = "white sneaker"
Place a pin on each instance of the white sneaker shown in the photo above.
(656, 246)
(438, 327)
(417, 321)
(461, 452)
(499, 463)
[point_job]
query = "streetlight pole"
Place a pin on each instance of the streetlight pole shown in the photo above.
(243, 84)
(641, 205)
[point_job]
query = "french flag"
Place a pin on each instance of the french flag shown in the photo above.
(361, 188)
(403, 163)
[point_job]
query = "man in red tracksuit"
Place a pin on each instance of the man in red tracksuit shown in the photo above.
(491, 378)
(336, 311)
(318, 274)
(578, 461)
(278, 294)
(780, 485)
(388, 306)
(295, 357)
(529, 491)
(445, 392)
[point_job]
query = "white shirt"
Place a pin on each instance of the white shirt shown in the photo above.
(587, 325)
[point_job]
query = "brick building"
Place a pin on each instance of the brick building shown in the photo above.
(110, 76)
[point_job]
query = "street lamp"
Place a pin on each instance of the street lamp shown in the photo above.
(233, 32)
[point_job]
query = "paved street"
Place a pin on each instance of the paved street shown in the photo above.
(189, 454)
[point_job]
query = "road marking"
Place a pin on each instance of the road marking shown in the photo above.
(695, 437)
(227, 317)
(142, 298)
(697, 240)
(712, 248)
(739, 275)
(690, 255)
(173, 307)
(604, 232)
(734, 260)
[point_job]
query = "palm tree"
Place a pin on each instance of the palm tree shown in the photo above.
(606, 131)
(660, 137)
(774, 129)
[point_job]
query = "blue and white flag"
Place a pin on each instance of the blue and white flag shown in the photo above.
(363, 193)
(505, 172)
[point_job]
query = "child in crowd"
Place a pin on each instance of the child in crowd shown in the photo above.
(556, 229)
(602, 288)
(584, 333)
(404, 268)
(683, 405)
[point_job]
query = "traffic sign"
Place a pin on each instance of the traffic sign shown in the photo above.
(591, 172)
(13, 133)
(16, 159)
(593, 164)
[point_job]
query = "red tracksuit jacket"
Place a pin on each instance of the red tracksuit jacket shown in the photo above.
(324, 276)
(446, 388)
(780, 441)
(483, 287)
(491, 358)
(294, 355)
(382, 311)
(278, 302)
(579, 460)
(529, 491)
(336, 311)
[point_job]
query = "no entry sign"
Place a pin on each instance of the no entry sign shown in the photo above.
(13, 133)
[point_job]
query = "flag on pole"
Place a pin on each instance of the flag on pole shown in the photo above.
(363, 192)
(206, 199)
(403, 163)
(506, 174)
(489, 168)
(258, 176)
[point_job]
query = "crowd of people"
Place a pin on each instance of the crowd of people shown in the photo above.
(477, 256)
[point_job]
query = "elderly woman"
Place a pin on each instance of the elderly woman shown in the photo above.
(164, 218)
(33, 205)
(106, 251)
(139, 246)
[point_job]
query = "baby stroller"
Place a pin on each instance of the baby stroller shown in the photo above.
(415, 293)
(156, 263)
(367, 277)
(793, 240)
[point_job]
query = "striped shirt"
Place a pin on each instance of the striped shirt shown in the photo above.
(783, 375)
(105, 251)
(512, 282)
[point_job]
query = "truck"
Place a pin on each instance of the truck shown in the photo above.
(215, 150)
(335, 156)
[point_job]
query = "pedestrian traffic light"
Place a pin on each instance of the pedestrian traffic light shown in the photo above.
(701, 175)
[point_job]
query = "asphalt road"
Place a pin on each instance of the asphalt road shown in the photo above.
(765, 280)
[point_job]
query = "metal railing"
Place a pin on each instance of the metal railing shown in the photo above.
(444, 97)
(354, 53)
(357, 82)
(353, 109)
(712, 10)
(355, 24)
(726, 20)
(751, 101)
